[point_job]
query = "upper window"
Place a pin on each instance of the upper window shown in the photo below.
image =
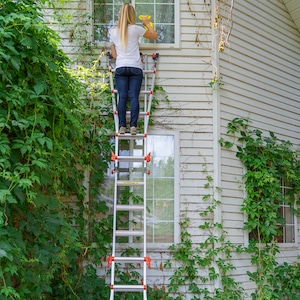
(162, 14)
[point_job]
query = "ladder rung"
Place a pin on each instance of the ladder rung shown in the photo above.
(129, 183)
(129, 233)
(143, 92)
(144, 71)
(128, 136)
(146, 92)
(149, 71)
(123, 207)
(128, 288)
(128, 259)
(141, 113)
(131, 158)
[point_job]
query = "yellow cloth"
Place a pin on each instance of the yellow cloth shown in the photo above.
(146, 16)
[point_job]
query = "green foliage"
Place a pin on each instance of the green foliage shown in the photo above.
(75, 25)
(50, 134)
(201, 265)
(269, 162)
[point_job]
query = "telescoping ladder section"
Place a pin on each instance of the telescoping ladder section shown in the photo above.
(130, 215)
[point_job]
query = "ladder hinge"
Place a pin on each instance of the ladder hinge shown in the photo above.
(110, 259)
(147, 259)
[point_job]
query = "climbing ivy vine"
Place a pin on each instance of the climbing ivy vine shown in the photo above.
(201, 265)
(55, 128)
(49, 139)
(269, 164)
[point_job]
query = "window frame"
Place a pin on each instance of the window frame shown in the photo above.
(175, 45)
(159, 246)
(281, 245)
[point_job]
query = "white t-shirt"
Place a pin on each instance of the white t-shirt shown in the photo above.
(129, 57)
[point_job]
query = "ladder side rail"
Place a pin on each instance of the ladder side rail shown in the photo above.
(151, 89)
(145, 103)
(145, 163)
(115, 212)
(114, 102)
(150, 97)
(130, 213)
(112, 280)
(146, 93)
(145, 226)
(145, 210)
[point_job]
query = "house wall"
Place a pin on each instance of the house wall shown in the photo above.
(260, 71)
(184, 72)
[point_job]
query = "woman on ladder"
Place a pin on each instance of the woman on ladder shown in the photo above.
(129, 70)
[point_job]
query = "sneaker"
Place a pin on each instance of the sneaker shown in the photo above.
(133, 130)
(122, 130)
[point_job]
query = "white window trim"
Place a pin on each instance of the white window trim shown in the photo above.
(164, 246)
(295, 244)
(176, 45)
(282, 246)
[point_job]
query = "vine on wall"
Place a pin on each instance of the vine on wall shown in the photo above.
(200, 266)
(49, 129)
(222, 26)
(269, 161)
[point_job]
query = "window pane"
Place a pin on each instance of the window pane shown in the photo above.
(288, 215)
(166, 34)
(164, 13)
(289, 234)
(163, 232)
(160, 190)
(145, 9)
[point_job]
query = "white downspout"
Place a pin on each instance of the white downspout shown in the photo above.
(216, 133)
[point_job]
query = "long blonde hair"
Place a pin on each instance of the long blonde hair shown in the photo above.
(127, 16)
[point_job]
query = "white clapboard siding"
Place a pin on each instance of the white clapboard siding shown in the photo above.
(260, 70)
(293, 7)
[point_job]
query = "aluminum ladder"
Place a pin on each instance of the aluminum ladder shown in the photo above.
(132, 209)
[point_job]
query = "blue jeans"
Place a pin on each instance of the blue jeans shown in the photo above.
(128, 82)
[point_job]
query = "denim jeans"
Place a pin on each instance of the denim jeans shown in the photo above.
(128, 82)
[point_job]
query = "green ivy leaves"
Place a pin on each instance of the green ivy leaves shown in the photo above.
(44, 149)
(270, 164)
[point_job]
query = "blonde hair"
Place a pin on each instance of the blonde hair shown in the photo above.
(127, 16)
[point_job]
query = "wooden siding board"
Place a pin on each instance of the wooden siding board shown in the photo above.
(268, 15)
(271, 112)
(247, 94)
(260, 77)
(249, 57)
(265, 39)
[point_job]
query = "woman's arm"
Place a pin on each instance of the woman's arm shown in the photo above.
(150, 33)
(113, 51)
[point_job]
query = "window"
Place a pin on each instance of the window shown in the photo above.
(287, 228)
(162, 14)
(159, 191)
(286, 219)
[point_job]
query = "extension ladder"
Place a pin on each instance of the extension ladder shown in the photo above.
(132, 210)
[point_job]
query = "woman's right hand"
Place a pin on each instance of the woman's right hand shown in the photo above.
(150, 33)
(146, 22)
